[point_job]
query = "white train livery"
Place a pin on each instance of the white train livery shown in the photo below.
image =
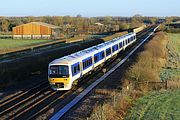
(63, 72)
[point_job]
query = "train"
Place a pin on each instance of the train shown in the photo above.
(64, 72)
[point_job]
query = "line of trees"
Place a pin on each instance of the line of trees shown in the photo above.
(79, 24)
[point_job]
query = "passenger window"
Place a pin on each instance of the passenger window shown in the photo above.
(83, 64)
(102, 54)
(115, 47)
(87, 63)
(75, 70)
(108, 51)
(78, 68)
(121, 44)
(91, 61)
(95, 58)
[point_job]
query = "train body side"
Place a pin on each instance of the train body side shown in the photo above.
(64, 71)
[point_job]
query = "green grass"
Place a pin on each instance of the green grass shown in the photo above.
(170, 74)
(172, 70)
(6, 44)
(156, 106)
(175, 41)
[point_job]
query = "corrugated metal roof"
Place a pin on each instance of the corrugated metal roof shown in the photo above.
(43, 24)
(46, 24)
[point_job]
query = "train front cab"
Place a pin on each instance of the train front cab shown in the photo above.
(59, 77)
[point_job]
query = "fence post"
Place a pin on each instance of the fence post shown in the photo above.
(114, 101)
(101, 112)
(166, 85)
(147, 85)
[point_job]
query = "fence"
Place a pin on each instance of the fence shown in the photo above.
(151, 85)
(6, 37)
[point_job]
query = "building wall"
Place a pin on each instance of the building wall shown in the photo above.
(45, 30)
(32, 29)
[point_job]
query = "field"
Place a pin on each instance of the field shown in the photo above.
(157, 106)
(172, 70)
(10, 45)
(6, 44)
(175, 40)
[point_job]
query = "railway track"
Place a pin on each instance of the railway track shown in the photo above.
(32, 103)
(22, 93)
(15, 102)
(112, 73)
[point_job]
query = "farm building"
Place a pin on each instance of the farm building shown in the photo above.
(36, 30)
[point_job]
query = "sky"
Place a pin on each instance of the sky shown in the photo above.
(90, 8)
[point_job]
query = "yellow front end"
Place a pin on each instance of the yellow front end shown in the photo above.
(60, 83)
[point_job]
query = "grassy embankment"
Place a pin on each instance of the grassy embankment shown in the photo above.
(164, 105)
(147, 68)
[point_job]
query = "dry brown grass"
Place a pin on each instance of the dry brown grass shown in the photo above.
(173, 84)
(150, 61)
(117, 107)
(103, 112)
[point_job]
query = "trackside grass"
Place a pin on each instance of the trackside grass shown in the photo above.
(157, 106)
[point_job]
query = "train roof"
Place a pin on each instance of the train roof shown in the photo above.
(72, 58)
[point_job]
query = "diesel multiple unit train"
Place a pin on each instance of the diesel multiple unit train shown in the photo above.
(63, 72)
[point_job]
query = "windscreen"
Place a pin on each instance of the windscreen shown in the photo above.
(60, 71)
